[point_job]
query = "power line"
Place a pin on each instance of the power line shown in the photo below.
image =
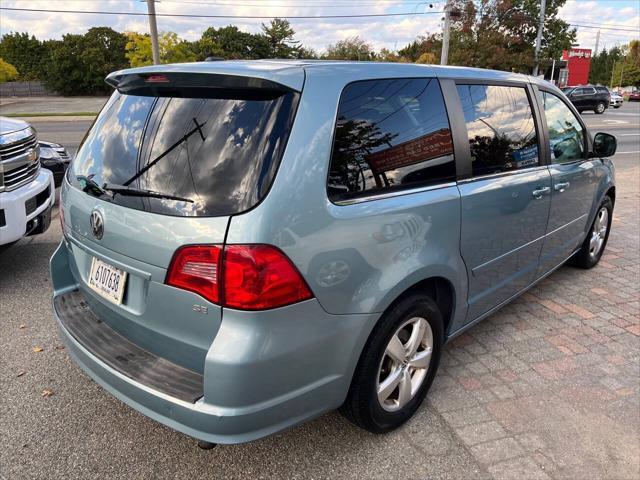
(187, 15)
(605, 28)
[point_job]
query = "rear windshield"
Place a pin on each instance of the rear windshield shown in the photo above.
(197, 156)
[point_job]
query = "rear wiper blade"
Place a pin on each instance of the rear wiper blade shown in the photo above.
(114, 188)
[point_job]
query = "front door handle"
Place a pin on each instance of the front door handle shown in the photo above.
(561, 187)
(537, 194)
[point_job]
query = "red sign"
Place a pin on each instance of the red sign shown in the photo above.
(424, 148)
(578, 63)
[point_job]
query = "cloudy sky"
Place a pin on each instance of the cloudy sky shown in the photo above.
(618, 20)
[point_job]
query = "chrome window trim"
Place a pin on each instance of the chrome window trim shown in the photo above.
(503, 174)
(392, 194)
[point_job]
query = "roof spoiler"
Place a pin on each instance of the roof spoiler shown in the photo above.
(194, 83)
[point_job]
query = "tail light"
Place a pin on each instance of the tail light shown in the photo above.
(245, 277)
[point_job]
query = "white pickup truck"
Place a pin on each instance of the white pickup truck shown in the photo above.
(27, 192)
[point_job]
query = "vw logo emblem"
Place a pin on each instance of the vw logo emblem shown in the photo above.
(97, 224)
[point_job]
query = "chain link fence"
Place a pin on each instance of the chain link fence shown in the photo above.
(24, 89)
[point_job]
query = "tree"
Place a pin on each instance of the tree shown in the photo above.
(427, 57)
(352, 48)
(280, 39)
(385, 55)
(232, 43)
(7, 72)
(498, 34)
(78, 64)
(25, 52)
(602, 65)
(309, 53)
(627, 72)
(172, 48)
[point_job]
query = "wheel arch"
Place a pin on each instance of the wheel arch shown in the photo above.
(440, 289)
(611, 193)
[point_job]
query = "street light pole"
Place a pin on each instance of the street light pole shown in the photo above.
(444, 55)
(543, 8)
(153, 30)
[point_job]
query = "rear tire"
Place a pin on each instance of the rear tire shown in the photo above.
(600, 108)
(594, 244)
(376, 402)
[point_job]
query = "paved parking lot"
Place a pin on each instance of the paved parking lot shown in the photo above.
(547, 388)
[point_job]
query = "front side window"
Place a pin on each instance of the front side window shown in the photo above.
(500, 127)
(566, 135)
(390, 135)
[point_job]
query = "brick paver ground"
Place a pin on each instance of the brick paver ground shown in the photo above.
(549, 386)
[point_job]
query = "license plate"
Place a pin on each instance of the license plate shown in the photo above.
(107, 280)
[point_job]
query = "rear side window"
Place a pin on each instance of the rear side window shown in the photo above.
(390, 135)
(199, 156)
(500, 127)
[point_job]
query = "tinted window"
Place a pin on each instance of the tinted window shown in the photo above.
(500, 126)
(585, 91)
(390, 134)
(565, 132)
(218, 155)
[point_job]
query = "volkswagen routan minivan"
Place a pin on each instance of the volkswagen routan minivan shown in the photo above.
(250, 244)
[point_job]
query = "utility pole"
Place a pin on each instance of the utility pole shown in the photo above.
(612, 70)
(597, 43)
(444, 55)
(543, 9)
(153, 30)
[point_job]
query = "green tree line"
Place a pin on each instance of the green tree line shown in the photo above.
(497, 34)
(617, 67)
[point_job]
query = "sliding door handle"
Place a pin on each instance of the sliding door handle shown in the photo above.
(537, 194)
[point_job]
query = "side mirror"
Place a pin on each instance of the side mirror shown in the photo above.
(604, 145)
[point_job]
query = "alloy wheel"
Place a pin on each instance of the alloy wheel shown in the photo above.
(404, 365)
(599, 232)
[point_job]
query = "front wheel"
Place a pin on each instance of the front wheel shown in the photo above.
(594, 244)
(600, 108)
(397, 365)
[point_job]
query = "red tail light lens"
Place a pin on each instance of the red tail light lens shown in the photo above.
(196, 268)
(246, 277)
(258, 277)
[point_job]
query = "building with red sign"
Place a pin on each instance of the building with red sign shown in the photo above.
(578, 65)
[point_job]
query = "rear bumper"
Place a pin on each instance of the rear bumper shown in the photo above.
(264, 371)
(22, 206)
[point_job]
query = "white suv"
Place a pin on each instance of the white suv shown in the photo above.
(27, 192)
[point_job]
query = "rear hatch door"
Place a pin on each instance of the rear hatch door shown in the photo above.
(171, 157)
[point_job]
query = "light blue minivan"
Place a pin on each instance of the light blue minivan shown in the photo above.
(250, 244)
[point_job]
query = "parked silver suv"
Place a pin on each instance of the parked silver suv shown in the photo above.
(248, 245)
